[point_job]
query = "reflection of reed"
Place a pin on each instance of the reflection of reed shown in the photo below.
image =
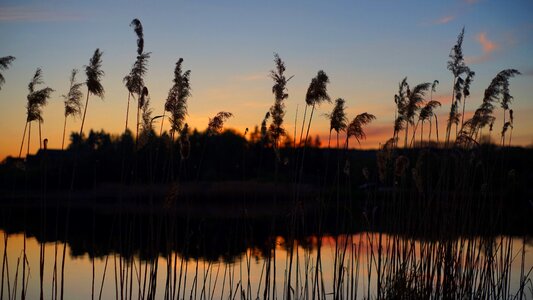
(374, 265)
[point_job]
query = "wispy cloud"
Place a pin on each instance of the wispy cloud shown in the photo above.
(253, 77)
(487, 47)
(35, 14)
(444, 20)
(471, 1)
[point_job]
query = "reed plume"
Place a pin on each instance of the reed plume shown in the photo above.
(279, 89)
(466, 91)
(497, 91)
(337, 119)
(36, 99)
(5, 62)
(217, 122)
(138, 28)
(355, 128)
(134, 81)
(94, 76)
(73, 102)
(400, 99)
(415, 98)
(506, 97)
(457, 66)
(317, 92)
(426, 113)
(176, 103)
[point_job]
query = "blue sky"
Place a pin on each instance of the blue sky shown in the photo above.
(365, 47)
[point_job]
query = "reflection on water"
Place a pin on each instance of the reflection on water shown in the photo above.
(365, 264)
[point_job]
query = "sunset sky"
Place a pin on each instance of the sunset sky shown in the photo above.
(366, 48)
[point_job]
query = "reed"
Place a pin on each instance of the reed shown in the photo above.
(94, 76)
(427, 223)
(5, 62)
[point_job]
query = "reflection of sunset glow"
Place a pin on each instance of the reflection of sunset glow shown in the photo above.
(361, 249)
(280, 242)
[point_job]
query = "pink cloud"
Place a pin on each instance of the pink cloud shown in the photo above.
(487, 47)
(444, 20)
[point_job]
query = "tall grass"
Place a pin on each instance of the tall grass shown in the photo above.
(427, 223)
(5, 62)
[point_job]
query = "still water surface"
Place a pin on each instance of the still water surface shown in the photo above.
(357, 257)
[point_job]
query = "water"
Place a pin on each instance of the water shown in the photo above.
(356, 259)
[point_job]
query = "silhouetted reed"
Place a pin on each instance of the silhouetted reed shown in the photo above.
(277, 111)
(457, 66)
(398, 223)
(5, 62)
(73, 104)
(94, 76)
(37, 99)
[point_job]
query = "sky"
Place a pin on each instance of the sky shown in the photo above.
(365, 47)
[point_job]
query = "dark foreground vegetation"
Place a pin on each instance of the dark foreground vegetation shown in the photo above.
(103, 159)
(449, 215)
